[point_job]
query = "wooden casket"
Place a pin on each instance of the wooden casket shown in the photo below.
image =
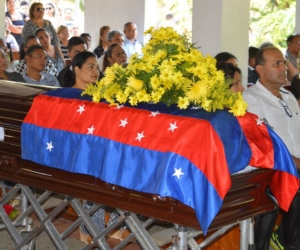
(245, 198)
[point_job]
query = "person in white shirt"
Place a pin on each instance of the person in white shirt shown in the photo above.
(131, 44)
(278, 108)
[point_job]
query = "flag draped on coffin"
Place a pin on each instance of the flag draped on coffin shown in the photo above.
(184, 154)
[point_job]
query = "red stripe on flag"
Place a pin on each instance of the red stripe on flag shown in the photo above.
(259, 141)
(284, 188)
(191, 138)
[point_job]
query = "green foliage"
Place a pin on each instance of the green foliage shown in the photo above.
(272, 20)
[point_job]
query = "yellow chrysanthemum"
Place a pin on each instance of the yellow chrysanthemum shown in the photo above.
(135, 83)
(240, 106)
(166, 75)
(121, 97)
(142, 96)
(155, 96)
(133, 100)
(149, 31)
(154, 81)
(197, 90)
(96, 97)
(109, 76)
(183, 103)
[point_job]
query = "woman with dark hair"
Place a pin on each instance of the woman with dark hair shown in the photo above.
(85, 70)
(114, 54)
(227, 57)
(52, 51)
(36, 21)
(103, 43)
(232, 73)
(15, 20)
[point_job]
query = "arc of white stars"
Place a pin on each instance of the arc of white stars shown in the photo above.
(49, 146)
(91, 130)
(154, 113)
(123, 123)
(178, 173)
(80, 109)
(259, 122)
(140, 136)
(172, 126)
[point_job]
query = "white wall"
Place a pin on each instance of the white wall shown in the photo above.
(2, 23)
(297, 19)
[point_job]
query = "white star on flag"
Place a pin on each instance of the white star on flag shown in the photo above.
(154, 113)
(49, 146)
(172, 126)
(178, 173)
(123, 123)
(259, 122)
(196, 107)
(119, 106)
(91, 130)
(80, 109)
(140, 136)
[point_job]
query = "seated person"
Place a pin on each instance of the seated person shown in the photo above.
(295, 88)
(114, 36)
(7, 49)
(103, 43)
(252, 74)
(54, 52)
(88, 39)
(232, 73)
(21, 67)
(226, 57)
(85, 70)
(76, 44)
(35, 58)
(4, 74)
(114, 54)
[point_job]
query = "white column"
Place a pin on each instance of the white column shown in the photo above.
(2, 24)
(220, 26)
(114, 13)
(297, 19)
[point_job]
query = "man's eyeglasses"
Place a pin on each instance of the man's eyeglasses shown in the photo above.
(40, 9)
(286, 107)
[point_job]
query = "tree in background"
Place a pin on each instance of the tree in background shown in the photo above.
(271, 20)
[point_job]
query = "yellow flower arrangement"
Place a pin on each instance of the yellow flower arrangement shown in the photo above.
(171, 71)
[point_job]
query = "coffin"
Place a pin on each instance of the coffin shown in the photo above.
(246, 197)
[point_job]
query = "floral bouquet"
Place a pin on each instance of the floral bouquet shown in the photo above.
(173, 71)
